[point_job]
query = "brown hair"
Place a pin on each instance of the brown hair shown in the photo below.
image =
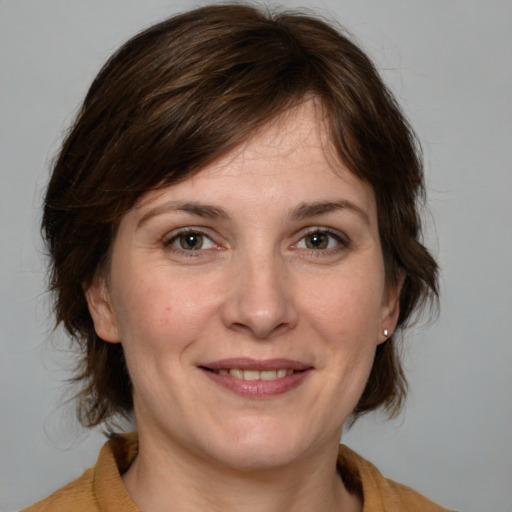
(176, 97)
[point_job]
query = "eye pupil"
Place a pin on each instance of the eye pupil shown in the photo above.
(191, 241)
(317, 241)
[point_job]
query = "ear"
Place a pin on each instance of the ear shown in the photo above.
(391, 308)
(100, 309)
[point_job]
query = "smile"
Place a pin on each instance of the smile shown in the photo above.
(237, 373)
(257, 379)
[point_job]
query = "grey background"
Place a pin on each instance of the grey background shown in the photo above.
(450, 64)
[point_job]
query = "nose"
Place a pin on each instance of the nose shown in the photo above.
(261, 302)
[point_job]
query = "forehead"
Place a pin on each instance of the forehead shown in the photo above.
(297, 133)
(291, 156)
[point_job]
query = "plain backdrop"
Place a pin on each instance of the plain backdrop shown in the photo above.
(450, 64)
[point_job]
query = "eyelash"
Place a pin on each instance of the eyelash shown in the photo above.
(168, 242)
(342, 242)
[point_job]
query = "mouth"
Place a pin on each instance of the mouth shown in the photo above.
(238, 373)
(257, 378)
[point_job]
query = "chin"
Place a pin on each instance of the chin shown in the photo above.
(263, 446)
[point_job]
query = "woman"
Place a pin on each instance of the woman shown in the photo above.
(234, 237)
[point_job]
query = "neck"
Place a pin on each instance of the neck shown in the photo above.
(164, 480)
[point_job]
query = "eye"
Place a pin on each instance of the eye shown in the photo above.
(319, 240)
(190, 241)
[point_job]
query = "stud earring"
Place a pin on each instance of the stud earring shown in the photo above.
(385, 332)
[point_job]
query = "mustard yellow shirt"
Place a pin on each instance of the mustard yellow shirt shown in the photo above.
(101, 489)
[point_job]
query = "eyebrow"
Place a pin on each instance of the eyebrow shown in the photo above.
(190, 207)
(301, 212)
(307, 210)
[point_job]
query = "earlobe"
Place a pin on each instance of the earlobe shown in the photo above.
(100, 309)
(391, 309)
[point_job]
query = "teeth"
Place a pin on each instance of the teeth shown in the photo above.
(238, 374)
(256, 375)
(251, 375)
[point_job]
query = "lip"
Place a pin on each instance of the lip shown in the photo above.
(257, 389)
(245, 363)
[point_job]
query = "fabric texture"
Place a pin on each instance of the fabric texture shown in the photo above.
(101, 489)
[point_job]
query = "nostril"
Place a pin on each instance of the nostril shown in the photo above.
(260, 330)
(260, 305)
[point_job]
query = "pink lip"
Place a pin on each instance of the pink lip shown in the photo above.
(257, 389)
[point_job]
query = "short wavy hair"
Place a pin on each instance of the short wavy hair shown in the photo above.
(179, 95)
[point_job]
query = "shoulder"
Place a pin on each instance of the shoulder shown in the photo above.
(77, 496)
(406, 499)
(381, 494)
(99, 488)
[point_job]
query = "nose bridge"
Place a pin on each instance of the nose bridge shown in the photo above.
(261, 300)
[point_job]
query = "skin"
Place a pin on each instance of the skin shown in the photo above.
(274, 278)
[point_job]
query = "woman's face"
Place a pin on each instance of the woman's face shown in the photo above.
(249, 300)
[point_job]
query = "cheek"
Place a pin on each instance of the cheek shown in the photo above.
(156, 327)
(161, 312)
(348, 309)
(347, 318)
